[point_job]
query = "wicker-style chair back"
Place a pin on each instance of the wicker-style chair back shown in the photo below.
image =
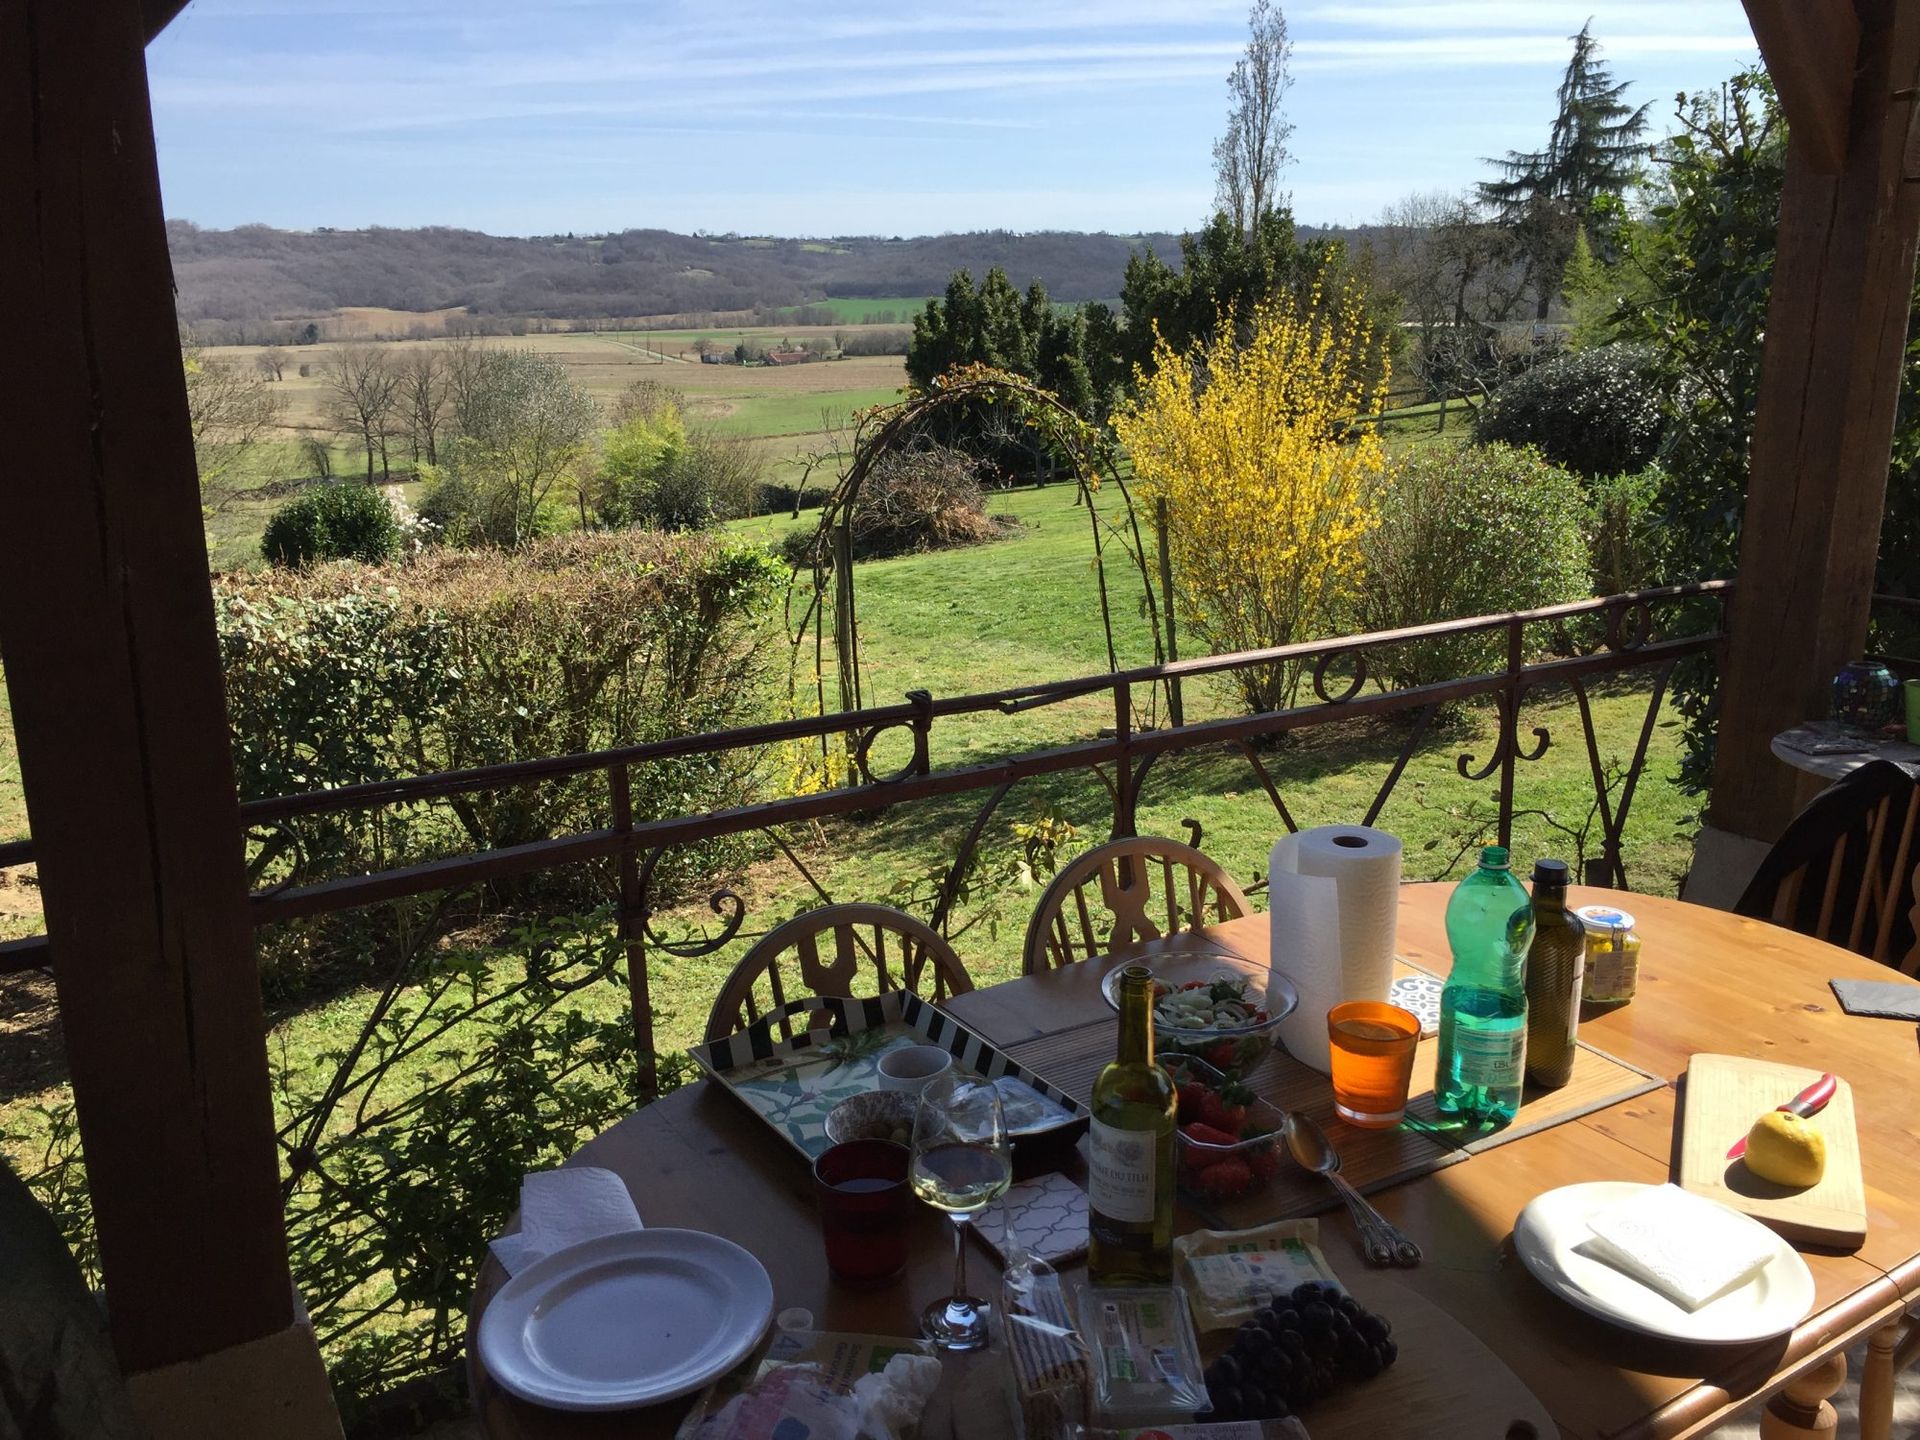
(1126, 891)
(841, 950)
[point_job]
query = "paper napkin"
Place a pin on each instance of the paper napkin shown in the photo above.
(1681, 1245)
(559, 1208)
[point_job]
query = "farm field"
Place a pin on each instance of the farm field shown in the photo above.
(788, 410)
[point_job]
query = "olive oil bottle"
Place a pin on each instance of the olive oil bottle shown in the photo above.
(1130, 1187)
(1555, 962)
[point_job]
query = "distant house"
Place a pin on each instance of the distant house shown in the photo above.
(717, 357)
(790, 357)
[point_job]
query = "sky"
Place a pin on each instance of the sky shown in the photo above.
(852, 117)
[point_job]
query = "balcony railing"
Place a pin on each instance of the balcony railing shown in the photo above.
(1564, 648)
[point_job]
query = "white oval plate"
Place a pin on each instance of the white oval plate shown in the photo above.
(626, 1319)
(1553, 1225)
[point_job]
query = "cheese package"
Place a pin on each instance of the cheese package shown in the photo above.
(1146, 1361)
(1230, 1274)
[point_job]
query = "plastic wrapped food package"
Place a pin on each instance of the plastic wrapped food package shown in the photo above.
(1044, 1351)
(823, 1386)
(1146, 1361)
(1229, 1274)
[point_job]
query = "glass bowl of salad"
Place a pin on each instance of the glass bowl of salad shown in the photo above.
(1211, 1010)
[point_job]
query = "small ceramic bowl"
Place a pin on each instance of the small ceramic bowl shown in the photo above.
(913, 1068)
(876, 1115)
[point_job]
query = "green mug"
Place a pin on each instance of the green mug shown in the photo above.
(1911, 689)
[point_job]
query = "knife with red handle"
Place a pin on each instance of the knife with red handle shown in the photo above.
(1810, 1101)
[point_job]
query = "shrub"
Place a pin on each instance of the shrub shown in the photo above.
(1473, 531)
(346, 521)
(1252, 448)
(929, 498)
(1597, 412)
(774, 497)
(1628, 544)
(460, 659)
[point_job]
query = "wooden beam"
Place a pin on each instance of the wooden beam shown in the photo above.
(158, 14)
(1829, 383)
(107, 626)
(1810, 47)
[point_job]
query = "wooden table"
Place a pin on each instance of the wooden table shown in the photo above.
(1708, 981)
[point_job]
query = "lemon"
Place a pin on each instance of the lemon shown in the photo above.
(1786, 1149)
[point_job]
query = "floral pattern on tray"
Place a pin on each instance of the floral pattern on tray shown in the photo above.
(795, 1093)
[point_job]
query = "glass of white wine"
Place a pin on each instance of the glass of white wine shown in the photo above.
(962, 1163)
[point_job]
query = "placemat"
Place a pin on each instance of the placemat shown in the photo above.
(1370, 1159)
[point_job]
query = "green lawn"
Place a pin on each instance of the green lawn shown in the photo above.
(775, 413)
(870, 311)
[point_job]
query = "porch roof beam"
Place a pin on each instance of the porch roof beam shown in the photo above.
(1811, 47)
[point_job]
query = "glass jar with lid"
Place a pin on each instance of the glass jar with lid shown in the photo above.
(1613, 954)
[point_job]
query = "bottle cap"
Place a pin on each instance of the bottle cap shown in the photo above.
(1550, 872)
(1494, 857)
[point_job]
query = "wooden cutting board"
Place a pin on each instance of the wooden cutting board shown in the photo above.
(1722, 1097)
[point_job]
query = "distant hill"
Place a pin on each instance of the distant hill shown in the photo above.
(254, 276)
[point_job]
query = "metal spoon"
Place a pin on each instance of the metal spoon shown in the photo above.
(1380, 1239)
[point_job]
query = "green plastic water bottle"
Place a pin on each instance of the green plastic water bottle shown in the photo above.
(1483, 1009)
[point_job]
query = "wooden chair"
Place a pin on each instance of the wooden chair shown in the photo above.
(1844, 870)
(856, 936)
(1064, 928)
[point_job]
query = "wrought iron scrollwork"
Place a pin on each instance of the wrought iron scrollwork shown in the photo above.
(918, 724)
(1358, 679)
(731, 909)
(270, 833)
(1508, 704)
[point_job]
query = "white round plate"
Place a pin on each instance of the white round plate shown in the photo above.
(1551, 1229)
(626, 1319)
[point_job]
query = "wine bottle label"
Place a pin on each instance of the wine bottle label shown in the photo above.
(1490, 1058)
(1121, 1174)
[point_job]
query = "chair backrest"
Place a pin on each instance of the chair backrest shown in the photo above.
(1125, 891)
(842, 950)
(1844, 870)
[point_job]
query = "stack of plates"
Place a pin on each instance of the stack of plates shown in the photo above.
(1552, 1231)
(625, 1320)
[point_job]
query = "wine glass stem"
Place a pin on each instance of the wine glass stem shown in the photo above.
(960, 1223)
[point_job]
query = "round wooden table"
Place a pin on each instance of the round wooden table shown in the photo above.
(1709, 981)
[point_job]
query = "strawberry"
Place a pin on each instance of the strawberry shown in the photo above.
(1263, 1161)
(1206, 1135)
(1226, 1108)
(1220, 1054)
(1224, 1179)
(1193, 1101)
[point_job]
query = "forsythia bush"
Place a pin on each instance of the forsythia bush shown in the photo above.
(1265, 478)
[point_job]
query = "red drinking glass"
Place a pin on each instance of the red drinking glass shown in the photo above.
(865, 1206)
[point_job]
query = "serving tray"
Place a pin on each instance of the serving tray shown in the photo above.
(794, 1084)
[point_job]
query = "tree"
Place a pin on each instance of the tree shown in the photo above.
(1594, 150)
(231, 414)
(1265, 478)
(361, 386)
(421, 393)
(703, 347)
(526, 427)
(271, 362)
(1247, 159)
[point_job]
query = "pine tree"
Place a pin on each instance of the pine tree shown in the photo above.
(1594, 149)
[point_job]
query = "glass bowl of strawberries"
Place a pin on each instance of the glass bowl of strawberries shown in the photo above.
(1228, 1144)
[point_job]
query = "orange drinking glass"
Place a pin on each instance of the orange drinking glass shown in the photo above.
(1372, 1044)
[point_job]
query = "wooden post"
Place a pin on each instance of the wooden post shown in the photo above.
(106, 622)
(1829, 380)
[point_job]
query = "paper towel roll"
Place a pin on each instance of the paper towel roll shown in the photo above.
(1333, 896)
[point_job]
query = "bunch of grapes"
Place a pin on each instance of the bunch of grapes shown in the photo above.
(1301, 1348)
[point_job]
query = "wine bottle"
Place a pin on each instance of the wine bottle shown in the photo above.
(1555, 961)
(1483, 1008)
(1130, 1185)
